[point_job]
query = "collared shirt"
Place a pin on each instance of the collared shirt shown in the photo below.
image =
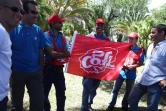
(155, 65)
(5, 62)
(57, 39)
(103, 37)
(131, 74)
(26, 43)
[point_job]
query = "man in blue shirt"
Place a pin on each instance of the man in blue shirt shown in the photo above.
(90, 85)
(56, 50)
(27, 60)
(134, 59)
(153, 77)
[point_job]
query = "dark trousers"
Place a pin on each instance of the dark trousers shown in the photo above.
(33, 82)
(54, 75)
(3, 104)
(153, 92)
(117, 85)
(89, 91)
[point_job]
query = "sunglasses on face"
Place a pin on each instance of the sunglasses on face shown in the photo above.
(33, 12)
(15, 9)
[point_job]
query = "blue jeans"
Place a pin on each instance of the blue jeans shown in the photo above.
(89, 91)
(54, 75)
(3, 104)
(117, 85)
(153, 96)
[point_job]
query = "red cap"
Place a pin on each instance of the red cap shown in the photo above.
(55, 18)
(133, 35)
(99, 20)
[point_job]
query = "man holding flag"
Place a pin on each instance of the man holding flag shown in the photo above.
(90, 85)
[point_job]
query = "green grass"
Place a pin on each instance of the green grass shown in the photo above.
(74, 95)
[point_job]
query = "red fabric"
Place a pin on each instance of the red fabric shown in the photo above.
(133, 58)
(97, 59)
(59, 61)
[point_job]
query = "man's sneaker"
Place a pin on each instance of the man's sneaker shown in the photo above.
(124, 109)
(90, 108)
(109, 108)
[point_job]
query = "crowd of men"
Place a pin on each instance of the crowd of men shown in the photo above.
(35, 59)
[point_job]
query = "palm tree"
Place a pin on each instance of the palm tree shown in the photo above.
(44, 11)
(159, 14)
(73, 11)
(130, 12)
(106, 12)
(144, 28)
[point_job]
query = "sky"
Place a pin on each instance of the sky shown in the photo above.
(156, 3)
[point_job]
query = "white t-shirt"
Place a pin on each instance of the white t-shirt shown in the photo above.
(5, 62)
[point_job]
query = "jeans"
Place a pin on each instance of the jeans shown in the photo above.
(89, 91)
(54, 75)
(3, 104)
(33, 82)
(153, 91)
(117, 85)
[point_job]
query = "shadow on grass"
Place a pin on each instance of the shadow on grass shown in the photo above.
(78, 109)
(25, 108)
(107, 87)
(115, 109)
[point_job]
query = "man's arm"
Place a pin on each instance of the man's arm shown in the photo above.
(41, 58)
(53, 54)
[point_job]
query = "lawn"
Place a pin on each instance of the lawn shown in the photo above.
(74, 93)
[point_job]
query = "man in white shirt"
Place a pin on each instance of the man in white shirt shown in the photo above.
(10, 15)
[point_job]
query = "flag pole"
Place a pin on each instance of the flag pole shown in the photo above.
(72, 45)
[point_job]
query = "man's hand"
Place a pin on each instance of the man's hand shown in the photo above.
(162, 82)
(131, 67)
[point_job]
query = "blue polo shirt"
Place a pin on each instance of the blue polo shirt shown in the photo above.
(131, 74)
(26, 42)
(103, 37)
(155, 65)
(57, 39)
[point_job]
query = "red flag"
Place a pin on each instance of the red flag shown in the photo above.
(98, 59)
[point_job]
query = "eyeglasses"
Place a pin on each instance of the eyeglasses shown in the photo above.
(33, 12)
(15, 9)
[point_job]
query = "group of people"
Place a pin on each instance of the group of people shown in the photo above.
(22, 49)
(31, 58)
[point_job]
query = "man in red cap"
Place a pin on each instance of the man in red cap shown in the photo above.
(56, 51)
(134, 59)
(90, 85)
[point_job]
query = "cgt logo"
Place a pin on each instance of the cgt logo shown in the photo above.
(97, 60)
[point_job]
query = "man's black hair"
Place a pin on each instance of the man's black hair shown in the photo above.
(160, 28)
(25, 5)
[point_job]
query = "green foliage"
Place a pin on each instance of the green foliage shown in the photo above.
(144, 28)
(103, 11)
(159, 14)
(74, 12)
(44, 11)
(67, 29)
(131, 14)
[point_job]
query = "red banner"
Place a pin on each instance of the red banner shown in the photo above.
(97, 59)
